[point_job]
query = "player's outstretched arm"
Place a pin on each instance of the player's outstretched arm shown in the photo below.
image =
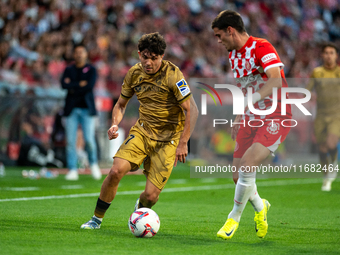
(117, 116)
(191, 114)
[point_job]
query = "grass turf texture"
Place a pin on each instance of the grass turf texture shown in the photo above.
(302, 219)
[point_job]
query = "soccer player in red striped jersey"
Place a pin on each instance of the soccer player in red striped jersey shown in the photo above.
(256, 65)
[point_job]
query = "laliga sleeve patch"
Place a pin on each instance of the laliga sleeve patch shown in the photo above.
(183, 87)
(269, 57)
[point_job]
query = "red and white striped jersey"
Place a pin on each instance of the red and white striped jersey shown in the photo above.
(249, 65)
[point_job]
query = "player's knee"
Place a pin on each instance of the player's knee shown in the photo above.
(331, 144)
(247, 162)
(115, 174)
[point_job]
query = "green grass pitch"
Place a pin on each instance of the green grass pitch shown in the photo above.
(302, 219)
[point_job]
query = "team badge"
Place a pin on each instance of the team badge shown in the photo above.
(183, 87)
(273, 128)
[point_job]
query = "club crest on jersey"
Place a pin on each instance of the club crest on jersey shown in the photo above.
(273, 128)
(183, 87)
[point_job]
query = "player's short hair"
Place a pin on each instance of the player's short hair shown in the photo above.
(330, 44)
(79, 45)
(153, 42)
(227, 19)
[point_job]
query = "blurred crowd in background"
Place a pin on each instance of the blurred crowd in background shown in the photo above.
(37, 36)
(37, 39)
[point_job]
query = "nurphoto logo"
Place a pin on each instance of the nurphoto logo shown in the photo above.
(239, 103)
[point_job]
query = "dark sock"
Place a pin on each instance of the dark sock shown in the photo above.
(323, 160)
(101, 208)
(334, 154)
(140, 205)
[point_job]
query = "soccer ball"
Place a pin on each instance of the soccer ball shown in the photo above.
(144, 222)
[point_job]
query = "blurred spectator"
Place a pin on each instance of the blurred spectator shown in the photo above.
(37, 36)
(33, 152)
(58, 137)
(79, 80)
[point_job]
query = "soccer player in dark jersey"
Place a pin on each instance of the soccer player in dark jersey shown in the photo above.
(167, 116)
(325, 80)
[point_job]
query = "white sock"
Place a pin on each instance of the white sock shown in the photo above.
(244, 187)
(101, 219)
(256, 200)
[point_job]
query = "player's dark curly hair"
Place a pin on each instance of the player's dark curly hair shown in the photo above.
(153, 42)
(330, 44)
(227, 19)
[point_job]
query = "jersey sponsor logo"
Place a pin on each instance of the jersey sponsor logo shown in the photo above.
(183, 87)
(148, 88)
(268, 57)
(273, 128)
(245, 80)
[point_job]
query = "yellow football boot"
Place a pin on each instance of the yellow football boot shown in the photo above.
(261, 224)
(228, 229)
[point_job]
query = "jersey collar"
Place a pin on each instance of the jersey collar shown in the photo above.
(248, 43)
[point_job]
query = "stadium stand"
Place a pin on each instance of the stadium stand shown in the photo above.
(37, 36)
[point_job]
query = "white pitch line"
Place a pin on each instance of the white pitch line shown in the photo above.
(72, 187)
(21, 188)
(178, 181)
(171, 190)
(208, 180)
(49, 197)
